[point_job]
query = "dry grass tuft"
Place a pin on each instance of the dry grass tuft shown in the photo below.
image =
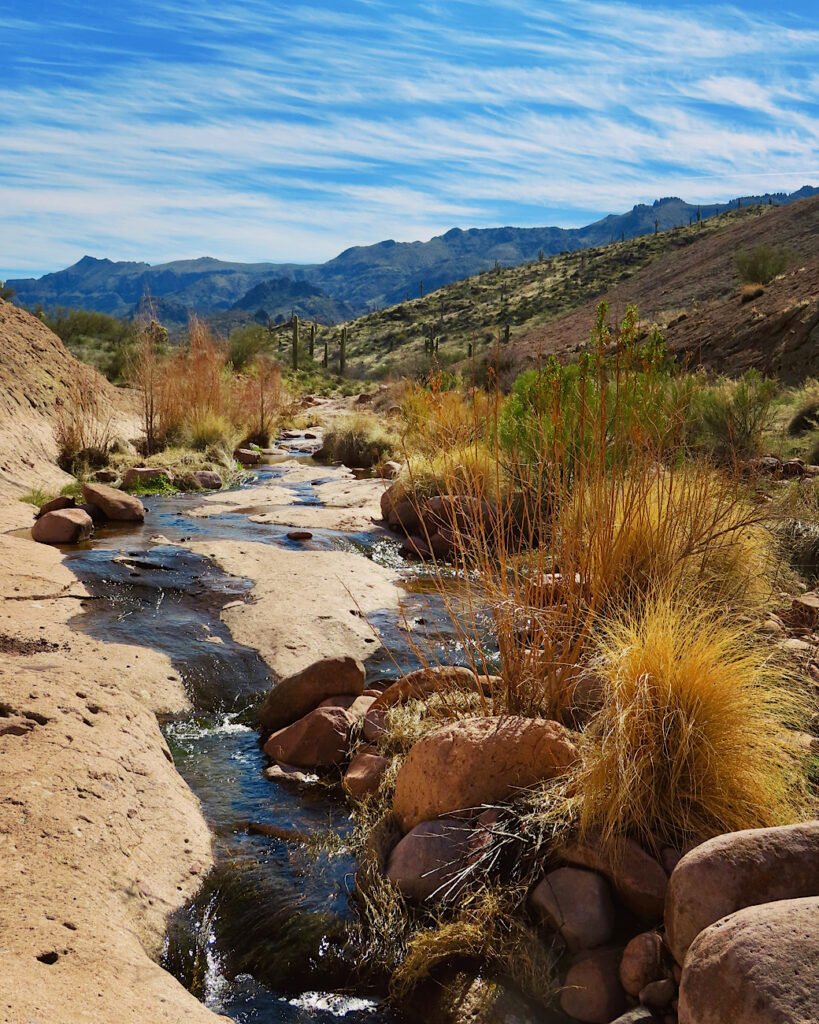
(83, 428)
(690, 740)
(359, 440)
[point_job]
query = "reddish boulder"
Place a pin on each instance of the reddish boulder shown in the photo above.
(757, 966)
(424, 681)
(592, 990)
(429, 859)
(116, 505)
(736, 870)
(364, 775)
(64, 526)
(477, 761)
(639, 880)
(375, 722)
(61, 501)
(577, 904)
(642, 962)
(247, 456)
(142, 476)
(291, 698)
(208, 479)
(319, 740)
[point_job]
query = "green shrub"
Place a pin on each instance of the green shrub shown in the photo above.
(734, 415)
(761, 264)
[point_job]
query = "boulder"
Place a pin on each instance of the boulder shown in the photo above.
(96, 513)
(428, 860)
(592, 990)
(208, 479)
(299, 535)
(757, 966)
(736, 870)
(294, 696)
(658, 994)
(356, 706)
(106, 476)
(375, 722)
(639, 880)
(247, 456)
(414, 546)
(319, 740)
(577, 904)
(61, 501)
(425, 681)
(143, 476)
(389, 470)
(364, 775)
(116, 505)
(642, 962)
(476, 761)
(63, 526)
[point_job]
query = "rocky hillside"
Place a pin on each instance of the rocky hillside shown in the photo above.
(365, 277)
(36, 374)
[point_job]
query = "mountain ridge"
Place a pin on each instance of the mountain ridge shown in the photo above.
(360, 278)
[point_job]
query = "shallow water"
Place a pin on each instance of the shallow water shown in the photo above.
(264, 940)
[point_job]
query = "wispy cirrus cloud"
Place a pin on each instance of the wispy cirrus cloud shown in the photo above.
(290, 131)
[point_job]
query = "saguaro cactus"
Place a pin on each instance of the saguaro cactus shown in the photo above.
(295, 342)
(342, 356)
(326, 361)
(312, 340)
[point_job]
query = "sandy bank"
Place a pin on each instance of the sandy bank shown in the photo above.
(100, 838)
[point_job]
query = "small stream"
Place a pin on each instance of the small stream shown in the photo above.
(266, 938)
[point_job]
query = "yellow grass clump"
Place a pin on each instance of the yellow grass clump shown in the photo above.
(689, 741)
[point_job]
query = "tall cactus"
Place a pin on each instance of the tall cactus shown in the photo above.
(295, 342)
(342, 356)
(326, 361)
(312, 339)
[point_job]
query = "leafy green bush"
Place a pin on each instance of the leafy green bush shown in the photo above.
(761, 264)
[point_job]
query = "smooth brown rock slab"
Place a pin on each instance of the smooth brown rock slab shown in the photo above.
(428, 860)
(639, 880)
(64, 526)
(293, 697)
(736, 870)
(757, 966)
(476, 761)
(592, 990)
(577, 904)
(319, 740)
(117, 506)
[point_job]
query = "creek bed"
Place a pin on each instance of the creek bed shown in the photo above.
(264, 941)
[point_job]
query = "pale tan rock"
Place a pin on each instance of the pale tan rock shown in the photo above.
(757, 966)
(737, 870)
(117, 506)
(475, 761)
(293, 697)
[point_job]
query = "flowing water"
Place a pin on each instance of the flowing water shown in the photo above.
(265, 939)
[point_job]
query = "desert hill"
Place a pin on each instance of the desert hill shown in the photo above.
(37, 378)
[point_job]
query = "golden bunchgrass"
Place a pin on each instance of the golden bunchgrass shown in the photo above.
(690, 741)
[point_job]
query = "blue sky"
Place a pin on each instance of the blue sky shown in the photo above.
(264, 130)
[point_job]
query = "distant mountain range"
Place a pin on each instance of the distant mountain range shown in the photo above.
(358, 280)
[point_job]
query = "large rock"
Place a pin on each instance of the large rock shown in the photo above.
(477, 761)
(639, 880)
(247, 456)
(208, 479)
(294, 696)
(61, 501)
(64, 526)
(116, 505)
(424, 681)
(364, 775)
(143, 476)
(736, 870)
(429, 859)
(592, 990)
(319, 740)
(642, 962)
(757, 966)
(576, 903)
